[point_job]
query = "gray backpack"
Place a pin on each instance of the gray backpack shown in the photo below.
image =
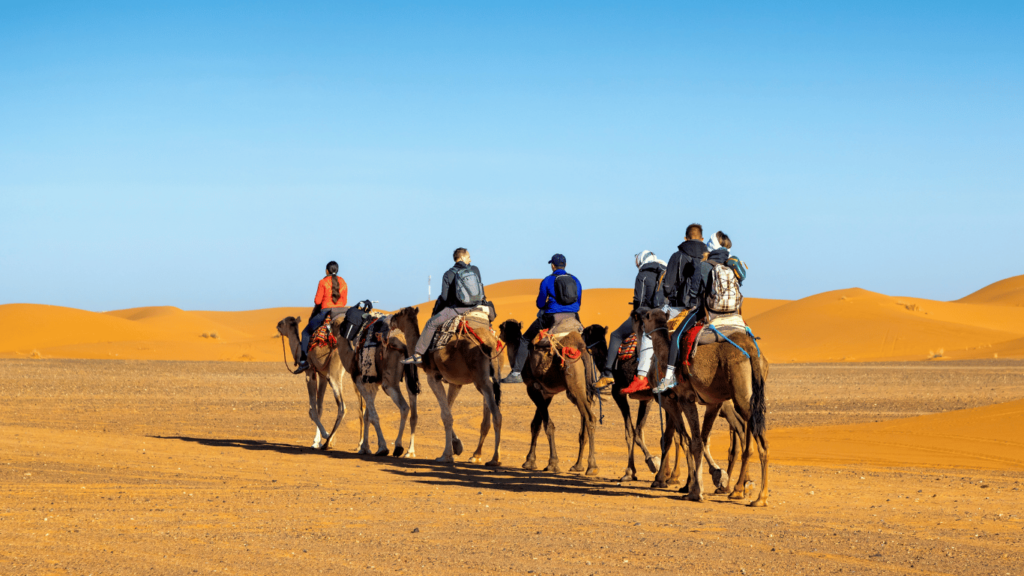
(468, 289)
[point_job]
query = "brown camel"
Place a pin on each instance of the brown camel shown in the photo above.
(720, 372)
(594, 336)
(390, 373)
(325, 367)
(464, 360)
(552, 369)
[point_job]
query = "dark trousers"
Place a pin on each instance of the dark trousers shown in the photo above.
(544, 321)
(316, 321)
(677, 336)
(615, 340)
(435, 322)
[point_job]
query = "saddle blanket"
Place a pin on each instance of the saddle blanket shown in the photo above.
(478, 319)
(627, 349)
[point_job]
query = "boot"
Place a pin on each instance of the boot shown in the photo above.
(639, 384)
(303, 364)
(513, 378)
(415, 360)
(668, 382)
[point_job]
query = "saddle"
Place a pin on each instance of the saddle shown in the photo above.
(627, 349)
(726, 326)
(476, 322)
(373, 333)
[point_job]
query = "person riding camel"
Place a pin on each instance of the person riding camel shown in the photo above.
(462, 289)
(646, 293)
(717, 252)
(677, 291)
(560, 293)
(331, 293)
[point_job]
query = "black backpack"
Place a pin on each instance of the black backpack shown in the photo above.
(565, 289)
(468, 289)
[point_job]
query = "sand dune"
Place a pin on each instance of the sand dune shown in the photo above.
(842, 325)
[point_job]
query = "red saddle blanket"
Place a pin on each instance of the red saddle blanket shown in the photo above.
(689, 341)
(627, 349)
(323, 336)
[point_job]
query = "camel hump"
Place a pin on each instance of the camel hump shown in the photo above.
(566, 322)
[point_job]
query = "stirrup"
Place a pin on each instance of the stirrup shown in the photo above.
(415, 360)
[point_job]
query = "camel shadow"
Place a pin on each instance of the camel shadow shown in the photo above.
(263, 445)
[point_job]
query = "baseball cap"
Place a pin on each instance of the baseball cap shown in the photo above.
(557, 260)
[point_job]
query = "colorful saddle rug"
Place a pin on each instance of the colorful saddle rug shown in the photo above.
(476, 323)
(627, 349)
(323, 337)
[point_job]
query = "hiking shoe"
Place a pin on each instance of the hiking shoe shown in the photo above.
(512, 378)
(415, 360)
(303, 366)
(607, 375)
(667, 383)
(639, 384)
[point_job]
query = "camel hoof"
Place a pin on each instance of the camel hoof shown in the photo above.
(758, 504)
(445, 460)
(553, 468)
(736, 495)
(410, 454)
(695, 497)
(530, 465)
(493, 463)
(593, 471)
(684, 490)
(659, 484)
(383, 451)
(673, 482)
(720, 478)
(457, 446)
(653, 464)
(576, 469)
(722, 490)
(399, 451)
(476, 460)
(629, 477)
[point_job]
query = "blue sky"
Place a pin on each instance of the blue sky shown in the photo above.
(217, 155)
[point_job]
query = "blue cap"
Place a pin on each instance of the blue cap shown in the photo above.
(557, 260)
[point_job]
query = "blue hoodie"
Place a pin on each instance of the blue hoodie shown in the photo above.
(546, 298)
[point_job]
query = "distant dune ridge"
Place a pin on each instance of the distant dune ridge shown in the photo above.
(851, 325)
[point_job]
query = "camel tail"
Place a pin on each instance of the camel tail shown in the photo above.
(412, 379)
(496, 384)
(758, 404)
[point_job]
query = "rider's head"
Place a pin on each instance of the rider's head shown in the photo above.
(694, 232)
(644, 257)
(557, 262)
(719, 240)
(461, 255)
(332, 268)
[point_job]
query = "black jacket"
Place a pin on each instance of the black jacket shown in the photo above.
(644, 289)
(447, 298)
(683, 278)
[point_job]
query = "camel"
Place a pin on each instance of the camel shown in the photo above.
(720, 372)
(388, 358)
(323, 369)
(464, 360)
(594, 336)
(329, 367)
(550, 370)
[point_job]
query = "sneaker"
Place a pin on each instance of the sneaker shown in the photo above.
(667, 383)
(513, 378)
(415, 360)
(639, 384)
(607, 375)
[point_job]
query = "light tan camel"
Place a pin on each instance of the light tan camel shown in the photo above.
(464, 360)
(720, 372)
(388, 358)
(325, 367)
(551, 369)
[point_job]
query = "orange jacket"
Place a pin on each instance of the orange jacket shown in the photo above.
(323, 293)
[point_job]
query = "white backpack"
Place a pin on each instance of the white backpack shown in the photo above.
(723, 291)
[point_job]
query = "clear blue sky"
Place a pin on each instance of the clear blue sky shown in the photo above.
(217, 155)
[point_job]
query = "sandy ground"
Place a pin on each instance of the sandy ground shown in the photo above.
(110, 467)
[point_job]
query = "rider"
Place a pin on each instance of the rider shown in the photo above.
(555, 297)
(717, 247)
(646, 293)
(331, 293)
(462, 289)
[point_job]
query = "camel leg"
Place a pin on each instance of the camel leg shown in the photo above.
(695, 459)
(578, 466)
(538, 420)
(370, 393)
(453, 393)
(414, 416)
(762, 448)
(312, 382)
(340, 401)
(446, 418)
(627, 417)
(642, 413)
(737, 428)
(396, 396)
(587, 432)
(718, 476)
(491, 402)
(485, 428)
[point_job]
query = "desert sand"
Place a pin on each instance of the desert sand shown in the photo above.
(136, 441)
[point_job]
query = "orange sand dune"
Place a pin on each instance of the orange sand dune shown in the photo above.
(1009, 292)
(984, 438)
(857, 325)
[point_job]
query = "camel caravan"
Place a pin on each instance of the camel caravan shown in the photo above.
(684, 344)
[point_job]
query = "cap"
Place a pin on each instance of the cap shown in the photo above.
(557, 260)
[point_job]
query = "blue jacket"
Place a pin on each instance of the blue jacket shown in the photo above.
(546, 298)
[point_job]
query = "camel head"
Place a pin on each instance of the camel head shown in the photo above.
(289, 328)
(594, 338)
(407, 320)
(649, 319)
(510, 331)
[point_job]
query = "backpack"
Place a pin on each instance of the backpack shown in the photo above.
(566, 293)
(468, 289)
(739, 267)
(723, 295)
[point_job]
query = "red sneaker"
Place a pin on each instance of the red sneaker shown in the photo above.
(639, 384)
